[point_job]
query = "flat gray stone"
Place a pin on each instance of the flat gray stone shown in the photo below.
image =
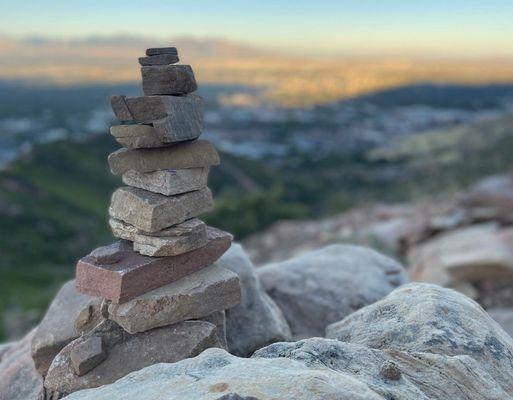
(87, 354)
(159, 59)
(154, 51)
(168, 181)
(136, 136)
(153, 212)
(195, 296)
(256, 321)
(57, 329)
(173, 117)
(126, 231)
(188, 125)
(323, 286)
(178, 239)
(111, 253)
(127, 353)
(172, 245)
(194, 154)
(168, 80)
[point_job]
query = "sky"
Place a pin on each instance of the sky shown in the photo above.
(320, 27)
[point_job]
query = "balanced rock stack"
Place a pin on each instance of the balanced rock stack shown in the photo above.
(154, 295)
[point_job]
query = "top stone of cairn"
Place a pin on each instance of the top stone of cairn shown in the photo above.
(155, 51)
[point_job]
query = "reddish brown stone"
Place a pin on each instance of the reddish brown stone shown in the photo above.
(136, 274)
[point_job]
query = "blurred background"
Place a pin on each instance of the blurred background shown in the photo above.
(386, 123)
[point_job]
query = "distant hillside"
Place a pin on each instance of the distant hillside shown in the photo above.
(287, 80)
(53, 201)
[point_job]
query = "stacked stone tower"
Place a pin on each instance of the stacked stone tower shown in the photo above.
(154, 295)
(165, 168)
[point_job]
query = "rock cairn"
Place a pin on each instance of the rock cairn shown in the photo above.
(154, 295)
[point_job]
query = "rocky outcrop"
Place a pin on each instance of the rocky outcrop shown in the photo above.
(256, 321)
(310, 369)
(216, 373)
(427, 318)
(324, 286)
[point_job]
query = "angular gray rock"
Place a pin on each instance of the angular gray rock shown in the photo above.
(126, 231)
(216, 373)
(127, 353)
(195, 154)
(185, 112)
(168, 181)
(178, 239)
(155, 51)
(192, 297)
(19, 379)
(168, 80)
(90, 315)
(159, 59)
(218, 318)
(427, 318)
(323, 286)
(87, 354)
(57, 329)
(153, 212)
(257, 321)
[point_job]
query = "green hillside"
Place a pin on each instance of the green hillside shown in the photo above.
(54, 200)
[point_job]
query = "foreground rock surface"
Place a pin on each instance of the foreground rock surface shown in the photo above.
(57, 329)
(216, 373)
(127, 353)
(194, 296)
(323, 286)
(122, 281)
(256, 321)
(309, 369)
(427, 318)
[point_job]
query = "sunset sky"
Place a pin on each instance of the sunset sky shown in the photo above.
(322, 27)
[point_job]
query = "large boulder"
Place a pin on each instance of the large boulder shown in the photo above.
(126, 353)
(395, 374)
(323, 286)
(463, 256)
(256, 321)
(57, 328)
(427, 318)
(312, 369)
